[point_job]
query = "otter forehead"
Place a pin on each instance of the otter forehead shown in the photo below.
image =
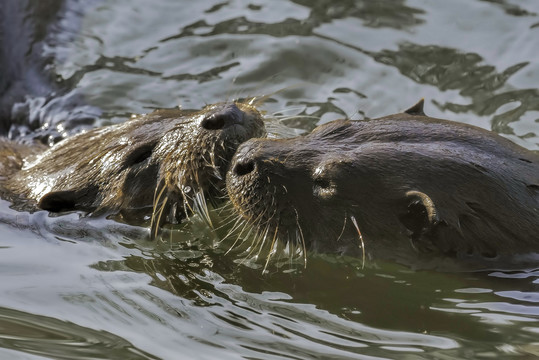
(406, 128)
(393, 135)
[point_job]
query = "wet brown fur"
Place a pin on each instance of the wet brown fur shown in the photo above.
(156, 162)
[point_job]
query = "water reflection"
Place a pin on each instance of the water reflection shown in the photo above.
(53, 338)
(387, 13)
(450, 69)
(391, 14)
(511, 9)
(443, 67)
(336, 304)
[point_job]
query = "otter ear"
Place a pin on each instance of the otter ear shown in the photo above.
(421, 215)
(417, 109)
(57, 201)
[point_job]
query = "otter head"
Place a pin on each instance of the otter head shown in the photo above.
(195, 155)
(155, 165)
(403, 186)
(324, 193)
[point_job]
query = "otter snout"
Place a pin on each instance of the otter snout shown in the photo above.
(244, 162)
(223, 117)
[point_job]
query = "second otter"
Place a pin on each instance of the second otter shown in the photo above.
(408, 186)
(156, 165)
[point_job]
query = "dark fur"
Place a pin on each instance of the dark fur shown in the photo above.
(414, 184)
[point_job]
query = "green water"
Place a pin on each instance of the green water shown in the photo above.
(74, 288)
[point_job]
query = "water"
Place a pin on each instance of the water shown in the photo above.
(72, 287)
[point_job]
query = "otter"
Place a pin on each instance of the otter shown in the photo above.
(159, 166)
(405, 188)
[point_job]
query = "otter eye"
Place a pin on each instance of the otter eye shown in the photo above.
(323, 188)
(322, 183)
(140, 154)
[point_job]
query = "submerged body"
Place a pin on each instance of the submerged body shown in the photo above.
(406, 187)
(155, 164)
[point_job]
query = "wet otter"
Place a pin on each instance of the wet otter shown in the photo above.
(407, 185)
(163, 164)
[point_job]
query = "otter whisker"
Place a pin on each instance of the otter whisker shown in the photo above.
(261, 247)
(225, 211)
(201, 204)
(222, 158)
(239, 237)
(213, 201)
(290, 108)
(239, 222)
(157, 194)
(299, 116)
(257, 101)
(221, 197)
(160, 212)
(216, 174)
(260, 239)
(201, 207)
(272, 249)
(206, 161)
(212, 155)
(232, 218)
(360, 239)
(290, 247)
(250, 248)
(215, 185)
(343, 227)
(187, 208)
(258, 220)
(156, 200)
(303, 245)
(256, 240)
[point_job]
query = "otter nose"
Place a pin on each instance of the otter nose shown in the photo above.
(244, 167)
(244, 161)
(227, 115)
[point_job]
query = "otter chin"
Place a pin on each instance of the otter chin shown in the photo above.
(158, 166)
(405, 187)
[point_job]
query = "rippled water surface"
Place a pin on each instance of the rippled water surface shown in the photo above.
(72, 287)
